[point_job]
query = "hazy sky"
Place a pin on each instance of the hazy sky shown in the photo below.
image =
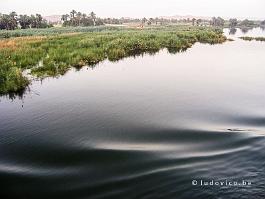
(140, 8)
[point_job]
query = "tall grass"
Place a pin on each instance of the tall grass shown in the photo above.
(54, 55)
(12, 80)
(52, 31)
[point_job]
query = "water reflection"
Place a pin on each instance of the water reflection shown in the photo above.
(232, 31)
(245, 30)
(239, 32)
(16, 95)
(135, 55)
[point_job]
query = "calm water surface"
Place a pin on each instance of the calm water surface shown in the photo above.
(142, 127)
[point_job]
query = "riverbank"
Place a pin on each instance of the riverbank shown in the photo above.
(53, 55)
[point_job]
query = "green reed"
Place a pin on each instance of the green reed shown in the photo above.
(53, 55)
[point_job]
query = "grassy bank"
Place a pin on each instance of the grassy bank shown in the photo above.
(53, 55)
(4, 34)
(253, 38)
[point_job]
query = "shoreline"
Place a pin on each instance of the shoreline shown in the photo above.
(53, 55)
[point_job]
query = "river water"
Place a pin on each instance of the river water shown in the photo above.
(154, 126)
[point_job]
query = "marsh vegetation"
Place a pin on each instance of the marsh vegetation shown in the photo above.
(253, 38)
(53, 55)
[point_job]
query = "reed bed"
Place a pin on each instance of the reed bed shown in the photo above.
(52, 31)
(53, 55)
(253, 38)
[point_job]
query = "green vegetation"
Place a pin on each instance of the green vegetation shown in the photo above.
(233, 23)
(12, 21)
(53, 55)
(217, 22)
(248, 23)
(244, 25)
(81, 19)
(52, 31)
(253, 38)
(12, 80)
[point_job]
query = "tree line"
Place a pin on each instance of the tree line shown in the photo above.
(75, 18)
(14, 21)
(233, 22)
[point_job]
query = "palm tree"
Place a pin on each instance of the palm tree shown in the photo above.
(233, 22)
(24, 21)
(193, 21)
(72, 13)
(5, 21)
(72, 20)
(93, 17)
(198, 22)
(13, 15)
(156, 19)
(78, 16)
(151, 20)
(13, 20)
(217, 21)
(38, 20)
(33, 21)
(144, 20)
(64, 18)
